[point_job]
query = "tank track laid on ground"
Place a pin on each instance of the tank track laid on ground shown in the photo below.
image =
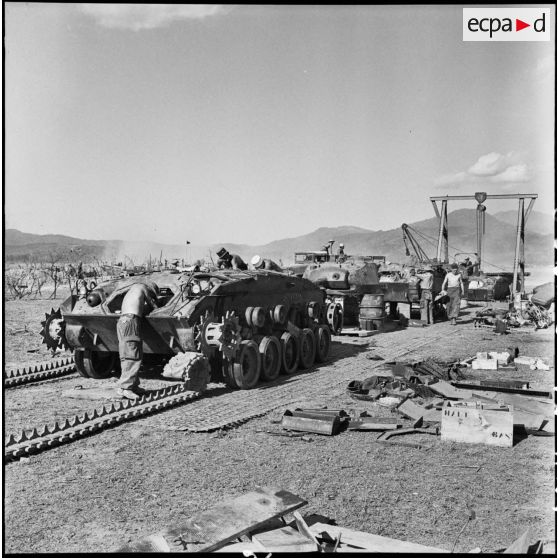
(39, 372)
(214, 416)
(80, 426)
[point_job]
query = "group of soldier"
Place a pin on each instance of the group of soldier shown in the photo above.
(452, 288)
(234, 261)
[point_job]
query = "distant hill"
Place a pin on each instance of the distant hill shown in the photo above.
(537, 222)
(498, 250)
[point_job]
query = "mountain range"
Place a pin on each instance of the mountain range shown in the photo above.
(499, 243)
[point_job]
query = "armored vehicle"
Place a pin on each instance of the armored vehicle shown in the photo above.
(240, 326)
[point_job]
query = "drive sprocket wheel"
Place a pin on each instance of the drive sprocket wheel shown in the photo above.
(53, 331)
(200, 334)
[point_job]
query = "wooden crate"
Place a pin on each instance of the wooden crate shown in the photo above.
(477, 423)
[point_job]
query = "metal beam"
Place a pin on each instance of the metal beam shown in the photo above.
(435, 208)
(443, 234)
(489, 196)
(528, 210)
(517, 264)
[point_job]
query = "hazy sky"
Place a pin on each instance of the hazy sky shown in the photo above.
(253, 123)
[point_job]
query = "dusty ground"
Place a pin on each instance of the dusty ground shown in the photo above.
(130, 481)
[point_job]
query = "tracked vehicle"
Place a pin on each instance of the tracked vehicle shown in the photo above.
(239, 326)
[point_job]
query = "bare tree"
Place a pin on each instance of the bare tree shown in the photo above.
(54, 271)
(16, 282)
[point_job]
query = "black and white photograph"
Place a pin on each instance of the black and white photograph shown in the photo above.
(279, 278)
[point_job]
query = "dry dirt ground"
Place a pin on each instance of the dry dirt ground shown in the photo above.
(133, 480)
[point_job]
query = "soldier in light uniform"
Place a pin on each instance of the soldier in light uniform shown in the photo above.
(260, 263)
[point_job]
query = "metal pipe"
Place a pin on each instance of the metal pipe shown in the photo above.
(489, 196)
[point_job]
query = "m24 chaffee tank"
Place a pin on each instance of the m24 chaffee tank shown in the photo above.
(238, 326)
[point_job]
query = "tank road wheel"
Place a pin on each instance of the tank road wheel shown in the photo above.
(279, 314)
(246, 370)
(289, 353)
(307, 349)
(335, 317)
(258, 316)
(323, 343)
(270, 352)
(313, 310)
(248, 315)
(94, 364)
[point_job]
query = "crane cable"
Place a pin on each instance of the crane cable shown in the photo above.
(433, 241)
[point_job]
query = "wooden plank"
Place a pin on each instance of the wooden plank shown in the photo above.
(502, 389)
(285, 539)
(303, 528)
(354, 540)
(415, 412)
(448, 391)
(474, 423)
(242, 547)
(537, 406)
(531, 421)
(520, 545)
(230, 519)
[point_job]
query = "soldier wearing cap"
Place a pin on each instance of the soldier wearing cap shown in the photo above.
(230, 261)
(260, 263)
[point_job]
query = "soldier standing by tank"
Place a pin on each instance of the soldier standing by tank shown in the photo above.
(230, 261)
(138, 302)
(341, 253)
(454, 284)
(426, 283)
(260, 263)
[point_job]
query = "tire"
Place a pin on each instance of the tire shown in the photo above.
(323, 343)
(289, 353)
(246, 370)
(271, 357)
(95, 364)
(307, 351)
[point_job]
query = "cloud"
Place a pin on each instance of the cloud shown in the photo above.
(501, 171)
(148, 16)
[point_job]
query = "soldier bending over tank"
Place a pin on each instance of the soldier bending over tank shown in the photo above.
(138, 302)
(260, 263)
(230, 261)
